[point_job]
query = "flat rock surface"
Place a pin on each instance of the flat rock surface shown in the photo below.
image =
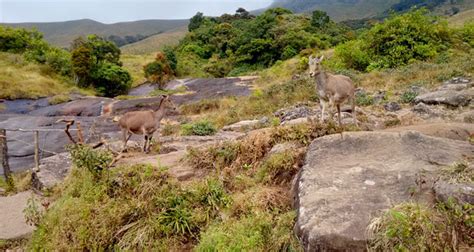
(12, 220)
(349, 179)
(447, 97)
(455, 131)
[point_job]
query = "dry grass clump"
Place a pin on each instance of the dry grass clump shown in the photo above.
(459, 172)
(261, 198)
(21, 181)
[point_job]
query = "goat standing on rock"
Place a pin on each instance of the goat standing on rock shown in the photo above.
(332, 89)
(144, 122)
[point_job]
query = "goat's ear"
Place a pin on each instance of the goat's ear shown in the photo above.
(321, 59)
(164, 96)
(310, 58)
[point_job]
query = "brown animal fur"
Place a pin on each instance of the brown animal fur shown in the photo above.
(332, 89)
(144, 122)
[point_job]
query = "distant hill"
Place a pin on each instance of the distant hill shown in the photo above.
(341, 10)
(338, 9)
(155, 42)
(63, 33)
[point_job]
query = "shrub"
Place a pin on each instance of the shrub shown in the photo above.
(364, 99)
(353, 54)
(280, 167)
(95, 161)
(201, 128)
(408, 96)
(401, 39)
(57, 99)
(111, 80)
(160, 70)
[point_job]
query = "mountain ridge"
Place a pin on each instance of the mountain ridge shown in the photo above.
(63, 33)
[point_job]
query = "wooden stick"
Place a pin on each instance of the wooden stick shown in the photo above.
(4, 156)
(37, 159)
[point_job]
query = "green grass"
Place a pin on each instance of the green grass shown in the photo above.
(21, 79)
(134, 65)
(153, 44)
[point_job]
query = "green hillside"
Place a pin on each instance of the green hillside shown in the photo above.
(156, 42)
(339, 9)
(63, 33)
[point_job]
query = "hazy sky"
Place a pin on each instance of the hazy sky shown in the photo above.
(110, 11)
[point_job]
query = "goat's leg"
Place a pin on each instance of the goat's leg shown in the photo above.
(353, 108)
(323, 108)
(331, 109)
(144, 145)
(150, 137)
(339, 113)
(126, 136)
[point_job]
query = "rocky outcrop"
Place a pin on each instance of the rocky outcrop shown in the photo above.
(295, 112)
(455, 131)
(247, 125)
(455, 92)
(347, 180)
(52, 171)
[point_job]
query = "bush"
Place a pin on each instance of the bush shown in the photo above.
(201, 128)
(408, 96)
(95, 161)
(353, 54)
(111, 80)
(402, 39)
(364, 99)
(160, 70)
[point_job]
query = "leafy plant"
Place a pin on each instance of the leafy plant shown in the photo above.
(95, 161)
(408, 96)
(364, 99)
(200, 128)
(33, 213)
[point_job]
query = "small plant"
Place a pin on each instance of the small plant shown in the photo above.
(364, 99)
(170, 129)
(201, 128)
(408, 96)
(95, 161)
(279, 168)
(33, 213)
(458, 172)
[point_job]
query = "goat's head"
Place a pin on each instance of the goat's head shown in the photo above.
(314, 65)
(167, 104)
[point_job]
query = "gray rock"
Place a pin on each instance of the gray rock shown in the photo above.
(462, 193)
(447, 97)
(422, 108)
(348, 180)
(53, 170)
(295, 112)
(282, 147)
(243, 125)
(392, 106)
(379, 97)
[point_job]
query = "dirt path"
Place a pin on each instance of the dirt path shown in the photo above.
(12, 220)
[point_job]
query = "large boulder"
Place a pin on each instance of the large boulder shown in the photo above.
(349, 179)
(52, 171)
(448, 97)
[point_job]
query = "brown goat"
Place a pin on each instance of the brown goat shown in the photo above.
(144, 122)
(332, 89)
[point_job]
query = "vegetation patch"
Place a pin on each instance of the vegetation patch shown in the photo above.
(58, 99)
(200, 128)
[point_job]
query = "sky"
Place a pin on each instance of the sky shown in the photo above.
(111, 11)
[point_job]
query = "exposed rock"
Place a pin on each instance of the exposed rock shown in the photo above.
(467, 117)
(282, 147)
(447, 97)
(392, 106)
(379, 97)
(295, 121)
(422, 108)
(463, 193)
(299, 111)
(243, 125)
(13, 224)
(417, 89)
(52, 171)
(455, 131)
(348, 180)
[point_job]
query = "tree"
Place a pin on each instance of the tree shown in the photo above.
(96, 62)
(82, 64)
(111, 80)
(319, 19)
(196, 21)
(159, 71)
